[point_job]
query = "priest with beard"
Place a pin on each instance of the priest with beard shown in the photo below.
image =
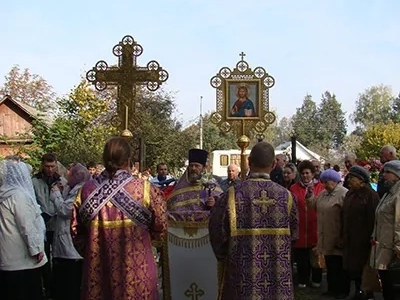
(193, 196)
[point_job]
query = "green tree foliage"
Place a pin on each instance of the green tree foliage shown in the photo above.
(78, 132)
(376, 136)
(284, 131)
(330, 122)
(164, 137)
(373, 106)
(213, 138)
(29, 88)
(396, 109)
(304, 122)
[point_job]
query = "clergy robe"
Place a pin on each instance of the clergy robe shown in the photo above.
(252, 228)
(112, 227)
(187, 201)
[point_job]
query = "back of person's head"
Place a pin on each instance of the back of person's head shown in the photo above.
(262, 156)
(78, 174)
(116, 155)
(15, 158)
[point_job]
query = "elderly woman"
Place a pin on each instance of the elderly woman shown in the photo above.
(358, 222)
(307, 226)
(67, 263)
(386, 234)
(21, 235)
(329, 205)
(329, 210)
(289, 175)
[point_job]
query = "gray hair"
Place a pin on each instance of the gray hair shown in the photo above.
(291, 166)
(350, 156)
(390, 149)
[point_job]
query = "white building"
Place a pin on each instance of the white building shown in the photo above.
(221, 159)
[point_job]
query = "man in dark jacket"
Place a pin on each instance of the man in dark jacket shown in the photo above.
(277, 173)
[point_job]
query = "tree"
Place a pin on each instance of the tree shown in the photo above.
(396, 109)
(213, 138)
(376, 136)
(284, 131)
(29, 88)
(331, 120)
(304, 122)
(373, 106)
(78, 132)
(351, 143)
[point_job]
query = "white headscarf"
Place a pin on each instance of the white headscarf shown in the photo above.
(15, 176)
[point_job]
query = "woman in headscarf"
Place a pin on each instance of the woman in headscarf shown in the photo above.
(358, 222)
(21, 235)
(67, 263)
(329, 206)
(307, 241)
(386, 235)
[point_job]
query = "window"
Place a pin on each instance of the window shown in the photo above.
(235, 159)
(224, 160)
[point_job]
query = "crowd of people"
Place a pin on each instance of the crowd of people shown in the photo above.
(87, 232)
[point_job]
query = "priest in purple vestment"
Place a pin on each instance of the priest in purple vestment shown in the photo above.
(252, 228)
(193, 197)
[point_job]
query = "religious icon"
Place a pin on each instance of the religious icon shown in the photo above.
(243, 100)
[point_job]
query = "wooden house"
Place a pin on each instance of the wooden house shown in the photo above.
(15, 124)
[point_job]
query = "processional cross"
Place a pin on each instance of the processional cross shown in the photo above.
(126, 76)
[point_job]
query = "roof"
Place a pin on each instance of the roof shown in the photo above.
(31, 111)
(286, 148)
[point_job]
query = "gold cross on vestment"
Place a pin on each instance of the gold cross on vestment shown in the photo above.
(127, 75)
(265, 256)
(264, 201)
(242, 55)
(193, 292)
(265, 283)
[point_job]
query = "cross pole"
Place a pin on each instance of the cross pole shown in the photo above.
(242, 55)
(126, 76)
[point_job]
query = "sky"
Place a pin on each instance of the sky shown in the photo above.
(309, 47)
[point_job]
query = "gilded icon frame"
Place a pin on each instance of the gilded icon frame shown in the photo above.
(243, 125)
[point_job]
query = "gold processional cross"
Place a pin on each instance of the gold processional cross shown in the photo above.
(193, 292)
(126, 76)
(264, 201)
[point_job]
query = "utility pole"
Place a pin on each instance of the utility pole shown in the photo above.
(201, 122)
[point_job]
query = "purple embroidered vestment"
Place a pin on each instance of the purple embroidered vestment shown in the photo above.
(186, 202)
(113, 224)
(252, 228)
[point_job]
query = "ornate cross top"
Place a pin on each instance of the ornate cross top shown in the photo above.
(127, 74)
(242, 55)
(264, 201)
(193, 292)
